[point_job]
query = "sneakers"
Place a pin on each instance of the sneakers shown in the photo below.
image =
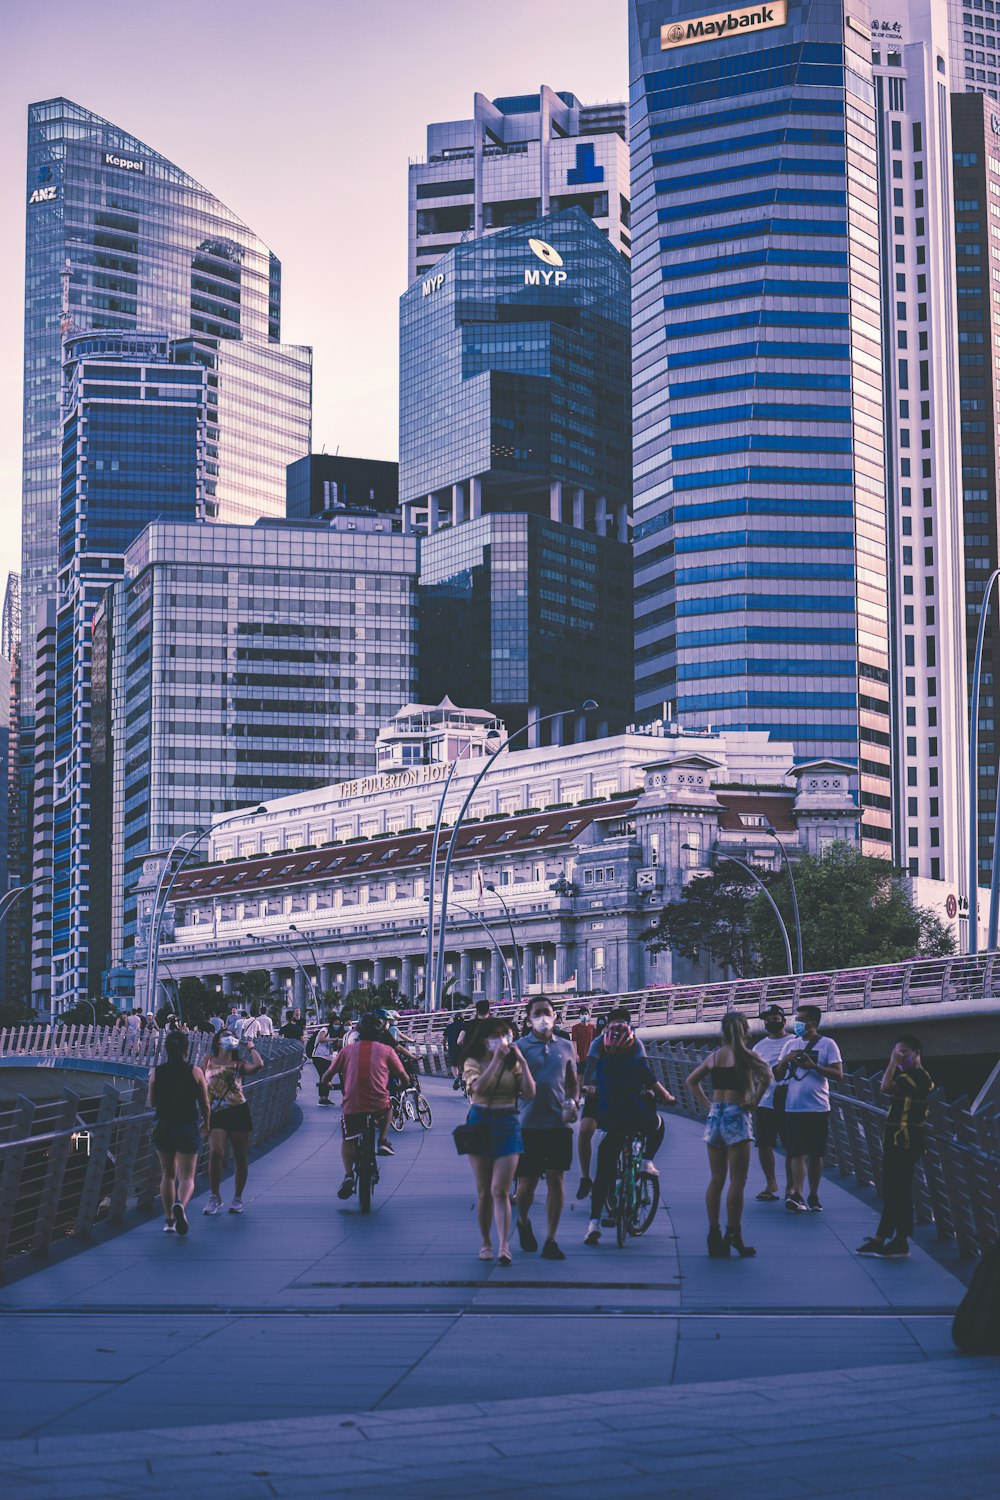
(593, 1235)
(814, 1205)
(213, 1206)
(169, 1229)
(384, 1149)
(795, 1204)
(526, 1235)
(585, 1189)
(650, 1168)
(456, 1086)
(894, 1250)
(180, 1219)
(870, 1246)
(236, 1207)
(551, 1251)
(346, 1188)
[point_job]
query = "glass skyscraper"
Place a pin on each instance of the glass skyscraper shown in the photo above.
(759, 500)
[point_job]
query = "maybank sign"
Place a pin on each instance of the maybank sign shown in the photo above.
(723, 25)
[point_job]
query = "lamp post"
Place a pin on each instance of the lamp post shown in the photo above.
(758, 882)
(269, 937)
(587, 707)
(10, 898)
(795, 900)
(973, 871)
(308, 942)
(513, 941)
(492, 937)
(494, 734)
(162, 896)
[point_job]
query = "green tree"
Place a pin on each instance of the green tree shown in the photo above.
(17, 1013)
(197, 1001)
(254, 992)
(710, 918)
(82, 1015)
(855, 911)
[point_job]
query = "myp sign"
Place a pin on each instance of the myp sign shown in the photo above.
(552, 274)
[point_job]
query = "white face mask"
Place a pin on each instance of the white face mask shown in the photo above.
(496, 1042)
(542, 1025)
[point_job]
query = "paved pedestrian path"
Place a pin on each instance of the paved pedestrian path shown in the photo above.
(305, 1334)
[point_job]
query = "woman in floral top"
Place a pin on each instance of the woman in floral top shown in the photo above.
(230, 1121)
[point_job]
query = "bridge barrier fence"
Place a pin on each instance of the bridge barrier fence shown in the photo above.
(68, 1163)
(957, 1184)
(915, 983)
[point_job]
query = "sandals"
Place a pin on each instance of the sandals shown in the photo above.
(505, 1258)
(486, 1252)
(767, 1197)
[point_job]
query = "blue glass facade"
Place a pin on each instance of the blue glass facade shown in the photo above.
(757, 386)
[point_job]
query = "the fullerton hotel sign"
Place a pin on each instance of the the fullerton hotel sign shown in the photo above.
(398, 781)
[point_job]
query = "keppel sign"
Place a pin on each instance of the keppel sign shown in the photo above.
(123, 163)
(723, 25)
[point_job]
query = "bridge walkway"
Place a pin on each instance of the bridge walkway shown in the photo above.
(306, 1322)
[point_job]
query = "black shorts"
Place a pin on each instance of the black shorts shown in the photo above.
(177, 1140)
(768, 1127)
(353, 1126)
(589, 1111)
(234, 1121)
(805, 1132)
(546, 1151)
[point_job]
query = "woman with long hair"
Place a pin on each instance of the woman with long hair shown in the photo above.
(178, 1092)
(738, 1078)
(226, 1066)
(496, 1076)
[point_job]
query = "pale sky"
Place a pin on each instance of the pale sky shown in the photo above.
(300, 116)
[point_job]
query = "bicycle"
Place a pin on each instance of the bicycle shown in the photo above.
(410, 1104)
(366, 1163)
(634, 1194)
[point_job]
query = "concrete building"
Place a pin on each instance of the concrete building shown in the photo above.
(324, 484)
(581, 844)
(974, 44)
(518, 159)
(922, 343)
(759, 487)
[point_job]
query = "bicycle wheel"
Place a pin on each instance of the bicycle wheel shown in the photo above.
(424, 1112)
(366, 1166)
(647, 1201)
(623, 1202)
(409, 1106)
(398, 1117)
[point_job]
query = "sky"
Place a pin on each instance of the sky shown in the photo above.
(301, 117)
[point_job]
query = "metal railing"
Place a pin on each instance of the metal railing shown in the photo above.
(918, 982)
(68, 1163)
(957, 1184)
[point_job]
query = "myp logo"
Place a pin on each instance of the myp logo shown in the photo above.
(550, 257)
(433, 284)
(586, 169)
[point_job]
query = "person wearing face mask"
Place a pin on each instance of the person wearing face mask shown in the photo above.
(767, 1121)
(496, 1075)
(807, 1063)
(546, 1125)
(908, 1085)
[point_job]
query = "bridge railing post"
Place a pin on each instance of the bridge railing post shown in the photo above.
(55, 1173)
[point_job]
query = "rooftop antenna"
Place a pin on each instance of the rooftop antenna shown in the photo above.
(65, 321)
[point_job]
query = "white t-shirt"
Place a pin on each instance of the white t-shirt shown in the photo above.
(809, 1091)
(769, 1048)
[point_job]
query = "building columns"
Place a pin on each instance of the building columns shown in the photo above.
(457, 504)
(564, 958)
(555, 500)
(623, 522)
(579, 510)
(326, 978)
(228, 987)
(601, 515)
(350, 976)
(475, 498)
(299, 990)
(498, 979)
(406, 978)
(465, 972)
(433, 514)
(378, 972)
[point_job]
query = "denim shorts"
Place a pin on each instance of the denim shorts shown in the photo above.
(728, 1125)
(504, 1126)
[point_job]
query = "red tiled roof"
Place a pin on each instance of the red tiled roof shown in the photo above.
(537, 830)
(776, 807)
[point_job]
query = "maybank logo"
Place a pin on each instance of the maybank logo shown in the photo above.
(724, 24)
(552, 258)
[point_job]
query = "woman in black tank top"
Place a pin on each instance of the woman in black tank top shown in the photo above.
(178, 1093)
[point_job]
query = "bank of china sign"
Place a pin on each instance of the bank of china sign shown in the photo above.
(723, 25)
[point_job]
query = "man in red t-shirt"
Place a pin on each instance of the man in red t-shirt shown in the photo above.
(364, 1067)
(582, 1035)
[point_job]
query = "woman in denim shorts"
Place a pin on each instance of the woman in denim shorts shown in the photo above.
(496, 1076)
(738, 1078)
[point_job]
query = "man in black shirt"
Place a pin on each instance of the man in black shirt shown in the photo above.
(294, 1028)
(908, 1086)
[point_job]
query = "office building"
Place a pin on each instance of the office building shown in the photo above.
(923, 487)
(973, 42)
(325, 484)
(515, 466)
(16, 936)
(759, 489)
(567, 855)
(246, 663)
(977, 204)
(518, 159)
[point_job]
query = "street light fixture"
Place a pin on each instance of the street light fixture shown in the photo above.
(492, 937)
(513, 940)
(795, 900)
(973, 871)
(308, 942)
(758, 882)
(274, 939)
(587, 707)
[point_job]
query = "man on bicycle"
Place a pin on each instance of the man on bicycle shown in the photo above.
(627, 1089)
(365, 1067)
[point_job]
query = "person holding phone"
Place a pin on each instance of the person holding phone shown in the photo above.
(230, 1122)
(908, 1085)
(808, 1063)
(496, 1076)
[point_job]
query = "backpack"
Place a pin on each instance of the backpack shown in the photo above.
(976, 1327)
(311, 1043)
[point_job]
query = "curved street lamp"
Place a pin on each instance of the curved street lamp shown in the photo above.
(795, 900)
(758, 882)
(492, 937)
(308, 942)
(272, 938)
(490, 886)
(973, 871)
(588, 707)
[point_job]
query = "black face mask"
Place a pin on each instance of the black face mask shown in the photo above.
(775, 1028)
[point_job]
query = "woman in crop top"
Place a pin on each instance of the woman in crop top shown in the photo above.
(496, 1075)
(738, 1078)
